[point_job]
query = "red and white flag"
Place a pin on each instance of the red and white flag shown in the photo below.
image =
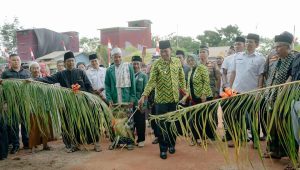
(157, 49)
(109, 47)
(109, 44)
(31, 54)
(63, 44)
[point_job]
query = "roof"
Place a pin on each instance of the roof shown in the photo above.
(147, 20)
(56, 55)
(218, 51)
(122, 28)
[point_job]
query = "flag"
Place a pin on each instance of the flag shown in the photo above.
(144, 53)
(157, 49)
(109, 47)
(63, 44)
(109, 44)
(31, 54)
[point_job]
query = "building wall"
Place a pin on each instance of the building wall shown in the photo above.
(120, 35)
(112, 35)
(26, 39)
(136, 37)
(74, 41)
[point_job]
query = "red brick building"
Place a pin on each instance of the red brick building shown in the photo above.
(137, 33)
(44, 41)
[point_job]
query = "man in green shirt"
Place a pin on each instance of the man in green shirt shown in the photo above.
(141, 80)
(120, 84)
(166, 77)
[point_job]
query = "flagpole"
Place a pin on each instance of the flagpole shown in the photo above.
(109, 47)
(294, 37)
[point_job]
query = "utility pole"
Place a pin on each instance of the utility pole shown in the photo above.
(177, 36)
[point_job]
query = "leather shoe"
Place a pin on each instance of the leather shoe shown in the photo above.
(172, 150)
(155, 141)
(2, 158)
(14, 150)
(163, 155)
(263, 138)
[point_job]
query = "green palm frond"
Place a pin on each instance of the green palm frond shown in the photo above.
(84, 111)
(276, 99)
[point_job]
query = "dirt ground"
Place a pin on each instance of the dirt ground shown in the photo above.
(186, 158)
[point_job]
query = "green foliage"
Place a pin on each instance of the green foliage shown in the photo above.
(103, 54)
(228, 34)
(220, 37)
(83, 111)
(297, 47)
(8, 32)
(89, 45)
(187, 44)
(210, 38)
(265, 45)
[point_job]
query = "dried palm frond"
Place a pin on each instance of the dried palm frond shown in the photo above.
(272, 102)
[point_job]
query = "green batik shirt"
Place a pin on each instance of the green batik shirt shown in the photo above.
(201, 82)
(166, 78)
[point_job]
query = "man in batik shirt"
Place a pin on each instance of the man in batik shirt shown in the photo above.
(166, 77)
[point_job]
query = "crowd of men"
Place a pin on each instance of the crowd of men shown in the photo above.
(167, 82)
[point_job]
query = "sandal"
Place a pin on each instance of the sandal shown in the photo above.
(271, 155)
(47, 148)
(73, 149)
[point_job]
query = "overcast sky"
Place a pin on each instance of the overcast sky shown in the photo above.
(191, 17)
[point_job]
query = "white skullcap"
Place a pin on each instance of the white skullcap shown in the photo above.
(116, 51)
(33, 63)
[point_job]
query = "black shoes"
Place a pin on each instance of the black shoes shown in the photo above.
(2, 158)
(172, 150)
(163, 155)
(155, 141)
(263, 138)
(14, 150)
(26, 147)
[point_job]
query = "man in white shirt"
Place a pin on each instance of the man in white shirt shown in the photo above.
(228, 66)
(248, 71)
(96, 75)
(248, 67)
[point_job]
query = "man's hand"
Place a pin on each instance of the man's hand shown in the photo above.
(203, 99)
(28, 80)
(141, 102)
(183, 100)
(111, 104)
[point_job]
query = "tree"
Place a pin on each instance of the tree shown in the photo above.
(210, 38)
(8, 32)
(102, 54)
(220, 37)
(228, 34)
(187, 44)
(265, 45)
(89, 45)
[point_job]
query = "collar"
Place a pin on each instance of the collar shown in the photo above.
(255, 53)
(12, 70)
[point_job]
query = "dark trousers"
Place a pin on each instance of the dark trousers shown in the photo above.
(153, 123)
(65, 131)
(13, 131)
(276, 145)
(3, 137)
(234, 119)
(209, 117)
(165, 139)
(140, 125)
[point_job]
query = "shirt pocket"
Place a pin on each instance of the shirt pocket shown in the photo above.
(253, 67)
